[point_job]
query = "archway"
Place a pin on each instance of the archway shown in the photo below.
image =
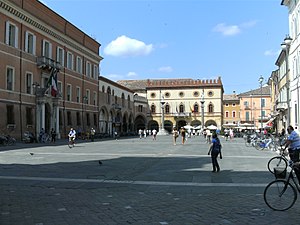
(139, 123)
(153, 125)
(181, 123)
(47, 118)
(210, 122)
(168, 126)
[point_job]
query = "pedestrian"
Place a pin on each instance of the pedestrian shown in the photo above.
(116, 135)
(145, 133)
(154, 133)
(208, 136)
(231, 134)
(41, 135)
(175, 135)
(140, 133)
(53, 135)
(293, 144)
(93, 134)
(183, 134)
(214, 151)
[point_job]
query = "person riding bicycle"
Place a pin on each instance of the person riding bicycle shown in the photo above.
(72, 134)
(293, 145)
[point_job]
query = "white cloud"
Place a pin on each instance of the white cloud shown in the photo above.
(272, 53)
(165, 69)
(131, 74)
(227, 30)
(231, 30)
(125, 46)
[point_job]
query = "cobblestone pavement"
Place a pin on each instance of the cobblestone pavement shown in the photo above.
(138, 181)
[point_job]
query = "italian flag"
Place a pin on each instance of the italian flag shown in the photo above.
(53, 82)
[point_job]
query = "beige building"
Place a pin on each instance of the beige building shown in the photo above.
(231, 110)
(255, 108)
(35, 44)
(178, 102)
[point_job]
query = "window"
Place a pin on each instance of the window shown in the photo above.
(210, 108)
(226, 105)
(95, 72)
(29, 116)
(95, 119)
(79, 65)
(196, 108)
(108, 95)
(30, 43)
(129, 107)
(233, 105)
(196, 93)
(78, 94)
(28, 83)
(233, 114)
(246, 104)
(181, 94)
(10, 115)
(88, 69)
(88, 97)
(263, 102)
(167, 109)
(78, 118)
(153, 95)
(140, 108)
(123, 100)
(95, 98)
(69, 92)
(226, 114)
(70, 63)
(247, 116)
(167, 94)
(47, 49)
(59, 88)
(210, 93)
(69, 118)
(153, 109)
(10, 73)
(60, 56)
(181, 108)
(88, 121)
(11, 35)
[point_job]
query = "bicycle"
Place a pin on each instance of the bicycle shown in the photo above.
(281, 160)
(71, 142)
(281, 194)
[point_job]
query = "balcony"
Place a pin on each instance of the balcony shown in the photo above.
(47, 63)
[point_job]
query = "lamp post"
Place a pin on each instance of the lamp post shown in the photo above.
(286, 47)
(202, 109)
(251, 105)
(261, 80)
(162, 130)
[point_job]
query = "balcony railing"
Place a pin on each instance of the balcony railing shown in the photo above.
(47, 63)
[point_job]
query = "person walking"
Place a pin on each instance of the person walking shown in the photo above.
(93, 134)
(140, 133)
(175, 135)
(53, 135)
(182, 133)
(154, 133)
(214, 151)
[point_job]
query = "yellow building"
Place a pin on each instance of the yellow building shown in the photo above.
(178, 102)
(231, 110)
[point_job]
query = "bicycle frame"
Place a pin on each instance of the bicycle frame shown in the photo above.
(292, 176)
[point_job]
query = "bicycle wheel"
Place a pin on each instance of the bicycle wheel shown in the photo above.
(248, 143)
(277, 161)
(280, 195)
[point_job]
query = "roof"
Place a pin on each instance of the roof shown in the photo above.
(230, 97)
(265, 91)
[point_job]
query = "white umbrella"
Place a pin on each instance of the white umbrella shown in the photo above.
(188, 127)
(212, 127)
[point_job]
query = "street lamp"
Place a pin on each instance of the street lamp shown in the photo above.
(261, 80)
(162, 131)
(202, 109)
(285, 46)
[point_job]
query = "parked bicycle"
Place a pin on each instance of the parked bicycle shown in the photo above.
(281, 194)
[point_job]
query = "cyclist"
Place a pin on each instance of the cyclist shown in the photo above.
(72, 135)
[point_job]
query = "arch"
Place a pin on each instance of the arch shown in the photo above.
(103, 120)
(168, 125)
(140, 122)
(153, 124)
(195, 123)
(125, 123)
(47, 118)
(210, 122)
(181, 123)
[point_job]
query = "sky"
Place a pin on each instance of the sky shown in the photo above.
(237, 40)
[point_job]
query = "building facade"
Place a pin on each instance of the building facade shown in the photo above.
(36, 46)
(231, 110)
(255, 108)
(178, 102)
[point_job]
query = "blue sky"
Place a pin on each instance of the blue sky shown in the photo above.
(238, 40)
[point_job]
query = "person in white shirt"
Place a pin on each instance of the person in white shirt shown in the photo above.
(154, 133)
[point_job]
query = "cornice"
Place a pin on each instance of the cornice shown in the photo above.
(37, 24)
